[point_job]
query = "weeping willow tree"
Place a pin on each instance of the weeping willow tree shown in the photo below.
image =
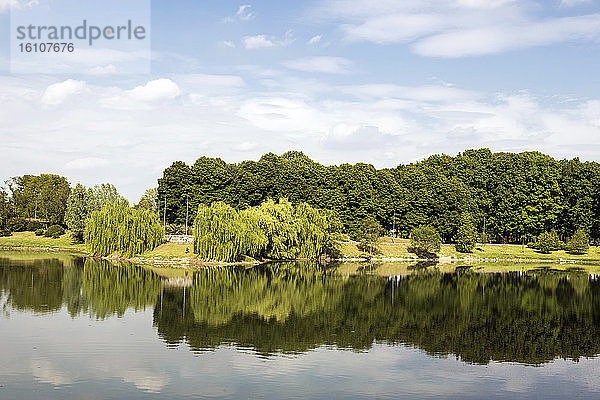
(276, 231)
(118, 228)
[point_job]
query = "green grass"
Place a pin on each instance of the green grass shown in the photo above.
(174, 251)
(29, 239)
(171, 250)
(488, 251)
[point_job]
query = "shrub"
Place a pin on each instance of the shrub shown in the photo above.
(579, 243)
(16, 224)
(33, 226)
(549, 241)
(425, 241)
(5, 232)
(39, 232)
(466, 236)
(55, 231)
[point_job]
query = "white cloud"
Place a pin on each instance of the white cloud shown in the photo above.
(573, 3)
(329, 65)
(144, 96)
(144, 126)
(103, 70)
(57, 93)
(257, 42)
(245, 146)
(264, 41)
(86, 163)
(244, 12)
(489, 40)
(6, 5)
(315, 39)
(228, 43)
(457, 28)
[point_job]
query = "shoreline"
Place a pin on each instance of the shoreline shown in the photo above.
(191, 262)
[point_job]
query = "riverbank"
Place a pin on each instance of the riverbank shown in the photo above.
(174, 254)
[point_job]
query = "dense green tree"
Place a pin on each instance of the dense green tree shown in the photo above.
(425, 241)
(5, 208)
(516, 197)
(579, 242)
(466, 236)
(83, 201)
(44, 196)
(549, 241)
(370, 232)
(149, 200)
(80, 205)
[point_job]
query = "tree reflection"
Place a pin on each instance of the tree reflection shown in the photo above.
(530, 317)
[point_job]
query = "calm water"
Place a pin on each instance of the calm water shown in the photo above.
(81, 329)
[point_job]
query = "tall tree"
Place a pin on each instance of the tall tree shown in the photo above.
(43, 196)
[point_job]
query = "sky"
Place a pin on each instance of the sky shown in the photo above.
(344, 81)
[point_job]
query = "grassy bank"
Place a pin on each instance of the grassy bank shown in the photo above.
(30, 240)
(481, 252)
(174, 253)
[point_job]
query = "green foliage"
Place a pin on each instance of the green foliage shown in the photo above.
(548, 242)
(80, 204)
(370, 232)
(579, 242)
(16, 224)
(466, 236)
(519, 196)
(44, 196)
(272, 230)
(425, 241)
(39, 232)
(149, 200)
(118, 228)
(83, 201)
(5, 232)
(54, 231)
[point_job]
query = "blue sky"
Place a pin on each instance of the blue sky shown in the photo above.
(383, 82)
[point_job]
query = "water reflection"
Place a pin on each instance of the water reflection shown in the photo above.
(291, 308)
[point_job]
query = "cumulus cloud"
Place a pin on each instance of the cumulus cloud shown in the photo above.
(142, 127)
(257, 42)
(264, 41)
(329, 65)
(143, 96)
(57, 93)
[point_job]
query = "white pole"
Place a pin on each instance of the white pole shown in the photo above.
(187, 211)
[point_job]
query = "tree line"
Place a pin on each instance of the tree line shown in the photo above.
(511, 197)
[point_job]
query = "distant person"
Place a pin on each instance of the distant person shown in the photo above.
(187, 250)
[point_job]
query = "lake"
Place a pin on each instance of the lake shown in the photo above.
(78, 328)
